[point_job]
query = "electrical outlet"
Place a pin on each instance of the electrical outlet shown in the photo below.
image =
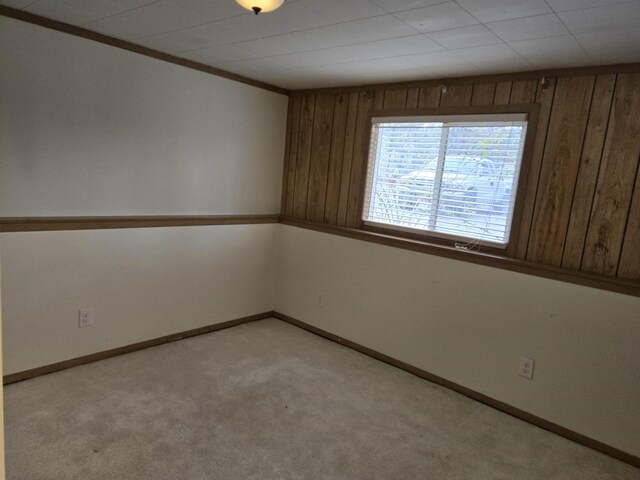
(526, 367)
(320, 300)
(85, 317)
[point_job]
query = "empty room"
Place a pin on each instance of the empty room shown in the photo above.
(320, 239)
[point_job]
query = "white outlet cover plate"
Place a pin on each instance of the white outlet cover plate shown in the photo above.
(85, 317)
(526, 367)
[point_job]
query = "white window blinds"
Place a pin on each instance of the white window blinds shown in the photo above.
(451, 176)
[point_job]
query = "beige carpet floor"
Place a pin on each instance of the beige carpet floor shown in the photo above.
(266, 401)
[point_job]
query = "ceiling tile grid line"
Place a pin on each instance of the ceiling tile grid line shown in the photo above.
(571, 33)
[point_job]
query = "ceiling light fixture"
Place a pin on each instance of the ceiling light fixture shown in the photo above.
(258, 6)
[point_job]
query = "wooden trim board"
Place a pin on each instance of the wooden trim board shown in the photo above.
(467, 392)
(39, 224)
(497, 404)
(94, 357)
(628, 287)
(488, 78)
(132, 47)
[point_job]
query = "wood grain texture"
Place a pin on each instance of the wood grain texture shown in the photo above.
(544, 97)
(559, 169)
(629, 265)
(483, 94)
(457, 96)
(305, 137)
(349, 142)
(503, 93)
(616, 180)
(336, 157)
(42, 224)
(524, 91)
(369, 100)
(588, 171)
(412, 98)
(290, 183)
(395, 98)
(430, 97)
(321, 148)
(574, 204)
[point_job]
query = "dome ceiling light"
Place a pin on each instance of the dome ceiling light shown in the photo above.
(258, 6)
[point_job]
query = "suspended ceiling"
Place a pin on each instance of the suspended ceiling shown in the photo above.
(323, 43)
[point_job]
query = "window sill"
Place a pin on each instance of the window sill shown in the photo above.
(486, 258)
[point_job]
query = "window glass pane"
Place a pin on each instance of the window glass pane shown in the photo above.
(450, 178)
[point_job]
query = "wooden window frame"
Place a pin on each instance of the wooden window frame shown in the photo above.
(532, 111)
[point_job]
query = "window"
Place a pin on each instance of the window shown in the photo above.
(453, 176)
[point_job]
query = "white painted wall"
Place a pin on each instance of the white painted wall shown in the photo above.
(471, 324)
(142, 284)
(88, 129)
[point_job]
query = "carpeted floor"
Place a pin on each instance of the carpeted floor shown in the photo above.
(266, 401)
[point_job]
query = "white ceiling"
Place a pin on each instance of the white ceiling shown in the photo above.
(321, 43)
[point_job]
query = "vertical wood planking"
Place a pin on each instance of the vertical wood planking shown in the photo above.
(588, 171)
(287, 148)
(523, 91)
(335, 158)
(293, 153)
(320, 150)
(483, 94)
(457, 96)
(347, 157)
(429, 97)
(304, 156)
(559, 169)
(545, 98)
(412, 98)
(395, 98)
(581, 204)
(369, 100)
(630, 258)
(503, 93)
(616, 180)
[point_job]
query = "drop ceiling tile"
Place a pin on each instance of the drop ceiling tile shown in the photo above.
(337, 11)
(565, 46)
(560, 61)
(472, 36)
(496, 10)
(378, 66)
(358, 31)
(612, 46)
(409, 45)
(435, 18)
(600, 19)
(79, 12)
(378, 28)
(399, 5)
(540, 26)
(149, 20)
(503, 66)
(488, 53)
(335, 55)
(213, 34)
(224, 53)
(565, 5)
(314, 39)
(437, 59)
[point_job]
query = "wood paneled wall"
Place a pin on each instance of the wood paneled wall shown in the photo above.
(581, 208)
